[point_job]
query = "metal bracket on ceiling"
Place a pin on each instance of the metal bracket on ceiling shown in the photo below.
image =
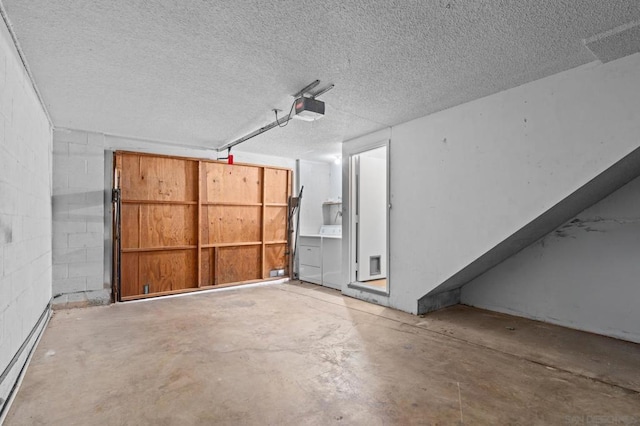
(322, 91)
(306, 90)
(283, 120)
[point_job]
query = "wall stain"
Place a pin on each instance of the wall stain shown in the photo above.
(6, 232)
(584, 225)
(590, 229)
(560, 233)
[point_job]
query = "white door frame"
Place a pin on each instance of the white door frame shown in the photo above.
(353, 199)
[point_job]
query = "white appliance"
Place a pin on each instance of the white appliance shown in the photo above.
(331, 230)
(320, 258)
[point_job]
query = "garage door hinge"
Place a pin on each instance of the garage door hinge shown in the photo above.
(115, 195)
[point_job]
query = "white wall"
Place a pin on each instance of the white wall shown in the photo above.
(25, 215)
(335, 181)
(585, 275)
(315, 177)
(466, 178)
(80, 220)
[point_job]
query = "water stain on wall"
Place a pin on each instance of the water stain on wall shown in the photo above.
(6, 233)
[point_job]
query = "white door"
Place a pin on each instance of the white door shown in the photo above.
(371, 214)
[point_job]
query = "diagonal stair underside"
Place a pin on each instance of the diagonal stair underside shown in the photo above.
(613, 178)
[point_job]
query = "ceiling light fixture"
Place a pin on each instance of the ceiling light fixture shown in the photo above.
(307, 108)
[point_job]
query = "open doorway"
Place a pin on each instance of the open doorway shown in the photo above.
(369, 219)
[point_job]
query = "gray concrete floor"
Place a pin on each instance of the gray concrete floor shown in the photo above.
(301, 354)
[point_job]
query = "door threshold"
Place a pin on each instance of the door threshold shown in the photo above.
(369, 289)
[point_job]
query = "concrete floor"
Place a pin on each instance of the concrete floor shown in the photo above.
(301, 354)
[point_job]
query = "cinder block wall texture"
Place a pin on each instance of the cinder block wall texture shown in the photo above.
(81, 266)
(78, 218)
(25, 213)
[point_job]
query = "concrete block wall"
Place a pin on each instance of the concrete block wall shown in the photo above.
(78, 218)
(81, 216)
(25, 215)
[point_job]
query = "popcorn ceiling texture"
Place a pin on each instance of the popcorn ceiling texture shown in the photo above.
(203, 73)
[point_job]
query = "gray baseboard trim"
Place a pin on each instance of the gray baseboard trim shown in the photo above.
(12, 375)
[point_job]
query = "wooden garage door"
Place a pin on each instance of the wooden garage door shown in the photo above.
(189, 224)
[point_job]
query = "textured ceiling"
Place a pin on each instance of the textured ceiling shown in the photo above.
(204, 72)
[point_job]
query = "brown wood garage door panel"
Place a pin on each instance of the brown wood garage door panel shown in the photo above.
(231, 224)
(168, 270)
(129, 165)
(225, 183)
(236, 264)
(147, 177)
(207, 267)
(158, 225)
(129, 280)
(189, 223)
(276, 186)
(275, 258)
(130, 229)
(168, 225)
(275, 224)
(163, 271)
